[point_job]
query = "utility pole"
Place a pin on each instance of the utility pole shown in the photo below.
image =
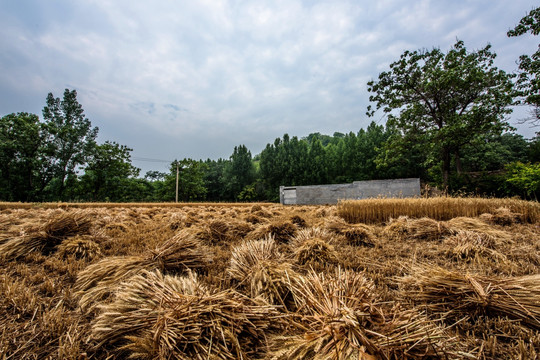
(177, 181)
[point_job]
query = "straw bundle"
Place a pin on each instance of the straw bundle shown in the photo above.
(45, 238)
(281, 231)
(477, 225)
(176, 221)
(415, 229)
(316, 252)
(314, 232)
(469, 245)
(97, 281)
(360, 235)
(218, 231)
(253, 219)
(356, 234)
(504, 216)
(465, 294)
(240, 229)
(298, 221)
(340, 320)
(263, 271)
(81, 247)
(249, 253)
(157, 316)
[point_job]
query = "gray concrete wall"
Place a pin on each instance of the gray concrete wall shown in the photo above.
(331, 194)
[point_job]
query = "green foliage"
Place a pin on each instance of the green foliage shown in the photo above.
(248, 193)
(69, 142)
(525, 177)
(528, 83)
(20, 142)
(190, 182)
(443, 101)
(239, 172)
(108, 173)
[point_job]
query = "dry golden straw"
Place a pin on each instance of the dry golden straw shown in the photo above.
(96, 282)
(46, 237)
(464, 294)
(163, 317)
(372, 211)
(262, 269)
(340, 320)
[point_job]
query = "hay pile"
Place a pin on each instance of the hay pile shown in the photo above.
(263, 271)
(281, 230)
(405, 228)
(461, 295)
(217, 231)
(96, 282)
(313, 247)
(502, 216)
(356, 234)
(46, 237)
(80, 247)
(471, 245)
(157, 316)
(341, 320)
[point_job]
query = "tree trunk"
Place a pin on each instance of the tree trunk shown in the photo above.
(457, 159)
(446, 167)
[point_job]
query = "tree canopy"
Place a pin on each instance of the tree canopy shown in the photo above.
(444, 100)
(528, 84)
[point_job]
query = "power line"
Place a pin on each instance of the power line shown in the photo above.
(151, 160)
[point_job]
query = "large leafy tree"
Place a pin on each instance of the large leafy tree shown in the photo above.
(239, 172)
(108, 172)
(69, 142)
(444, 100)
(20, 142)
(528, 83)
(214, 179)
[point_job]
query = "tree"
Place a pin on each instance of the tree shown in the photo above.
(444, 100)
(525, 177)
(190, 181)
(239, 172)
(528, 83)
(108, 171)
(20, 142)
(214, 180)
(69, 141)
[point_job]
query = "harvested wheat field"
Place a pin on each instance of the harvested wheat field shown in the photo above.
(376, 279)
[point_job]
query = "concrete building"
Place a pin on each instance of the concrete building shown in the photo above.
(331, 194)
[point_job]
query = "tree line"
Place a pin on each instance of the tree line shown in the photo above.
(446, 122)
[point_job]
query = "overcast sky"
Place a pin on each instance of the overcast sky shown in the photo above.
(175, 79)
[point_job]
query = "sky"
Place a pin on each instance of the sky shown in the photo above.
(176, 79)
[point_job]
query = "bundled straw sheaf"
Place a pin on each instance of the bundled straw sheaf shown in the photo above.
(281, 231)
(463, 294)
(314, 246)
(80, 247)
(469, 245)
(356, 234)
(479, 226)
(263, 271)
(97, 281)
(341, 320)
(163, 317)
(415, 229)
(46, 237)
